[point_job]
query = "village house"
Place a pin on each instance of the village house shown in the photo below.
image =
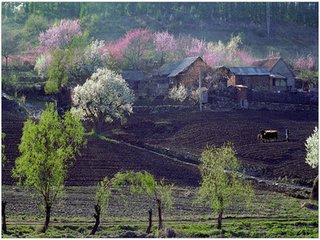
(185, 72)
(281, 76)
(271, 75)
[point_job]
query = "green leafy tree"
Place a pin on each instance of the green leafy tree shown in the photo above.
(221, 184)
(312, 158)
(48, 149)
(103, 195)
(57, 73)
(32, 28)
(9, 44)
(144, 183)
(3, 156)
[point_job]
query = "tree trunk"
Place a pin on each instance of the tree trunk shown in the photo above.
(160, 226)
(6, 62)
(315, 189)
(220, 220)
(97, 208)
(46, 223)
(150, 221)
(4, 223)
(268, 18)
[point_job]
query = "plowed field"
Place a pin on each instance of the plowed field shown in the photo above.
(191, 132)
(186, 132)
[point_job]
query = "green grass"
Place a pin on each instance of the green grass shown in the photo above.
(232, 228)
(162, 123)
(92, 133)
(250, 228)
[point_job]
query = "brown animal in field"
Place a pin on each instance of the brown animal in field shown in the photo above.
(266, 135)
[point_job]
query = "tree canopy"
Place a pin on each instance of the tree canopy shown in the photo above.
(221, 184)
(104, 97)
(312, 147)
(304, 13)
(47, 150)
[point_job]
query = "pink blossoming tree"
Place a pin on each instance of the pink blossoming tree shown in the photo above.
(304, 67)
(59, 35)
(134, 50)
(165, 46)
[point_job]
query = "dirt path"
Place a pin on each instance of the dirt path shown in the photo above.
(279, 186)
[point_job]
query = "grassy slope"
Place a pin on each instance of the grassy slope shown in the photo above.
(287, 39)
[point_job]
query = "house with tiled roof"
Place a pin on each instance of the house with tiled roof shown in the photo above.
(185, 72)
(281, 76)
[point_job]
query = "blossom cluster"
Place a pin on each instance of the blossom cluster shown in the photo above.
(59, 35)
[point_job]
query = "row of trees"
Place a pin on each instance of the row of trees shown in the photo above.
(297, 12)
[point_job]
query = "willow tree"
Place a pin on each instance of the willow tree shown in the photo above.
(221, 185)
(47, 150)
(144, 183)
(102, 198)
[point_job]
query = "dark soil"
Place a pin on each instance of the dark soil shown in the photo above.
(186, 132)
(191, 132)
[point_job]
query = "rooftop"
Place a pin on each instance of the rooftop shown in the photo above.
(267, 63)
(174, 68)
(254, 71)
(133, 75)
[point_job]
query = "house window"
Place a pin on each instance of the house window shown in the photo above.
(279, 82)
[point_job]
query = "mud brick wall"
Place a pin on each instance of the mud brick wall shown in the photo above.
(190, 78)
(285, 97)
(281, 106)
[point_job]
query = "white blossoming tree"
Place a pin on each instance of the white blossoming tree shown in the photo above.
(312, 158)
(104, 97)
(312, 144)
(178, 93)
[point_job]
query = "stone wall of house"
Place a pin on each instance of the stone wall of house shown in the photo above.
(190, 78)
(259, 83)
(222, 103)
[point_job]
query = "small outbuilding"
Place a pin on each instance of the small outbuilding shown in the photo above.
(255, 78)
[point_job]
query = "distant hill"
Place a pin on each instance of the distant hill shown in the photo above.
(293, 25)
(286, 39)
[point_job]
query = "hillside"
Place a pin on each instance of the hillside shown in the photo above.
(293, 26)
(287, 39)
